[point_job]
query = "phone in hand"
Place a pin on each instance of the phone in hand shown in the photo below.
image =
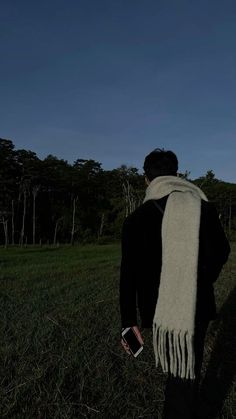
(129, 336)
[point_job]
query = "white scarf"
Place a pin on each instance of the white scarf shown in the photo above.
(174, 317)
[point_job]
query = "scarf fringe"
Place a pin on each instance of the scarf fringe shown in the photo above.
(175, 351)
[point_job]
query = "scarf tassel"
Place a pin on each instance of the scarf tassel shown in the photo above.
(175, 351)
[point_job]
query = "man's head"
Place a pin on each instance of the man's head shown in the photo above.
(160, 162)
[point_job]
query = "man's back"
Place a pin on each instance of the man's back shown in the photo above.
(142, 259)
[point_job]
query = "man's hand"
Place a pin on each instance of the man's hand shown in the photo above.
(139, 336)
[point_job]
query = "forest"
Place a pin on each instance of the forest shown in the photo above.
(50, 201)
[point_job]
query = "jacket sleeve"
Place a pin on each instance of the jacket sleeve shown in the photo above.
(128, 290)
(215, 246)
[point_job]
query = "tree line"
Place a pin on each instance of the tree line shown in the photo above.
(49, 201)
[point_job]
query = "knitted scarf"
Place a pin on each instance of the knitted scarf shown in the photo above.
(174, 318)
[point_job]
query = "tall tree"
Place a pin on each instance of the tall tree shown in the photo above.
(35, 190)
(75, 199)
(24, 192)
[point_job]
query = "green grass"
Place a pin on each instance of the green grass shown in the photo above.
(60, 345)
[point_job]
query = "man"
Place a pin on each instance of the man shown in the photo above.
(173, 249)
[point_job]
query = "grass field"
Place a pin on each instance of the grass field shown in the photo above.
(60, 345)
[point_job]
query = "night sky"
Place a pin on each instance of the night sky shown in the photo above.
(112, 80)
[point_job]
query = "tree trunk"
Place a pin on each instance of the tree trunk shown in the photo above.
(230, 214)
(5, 226)
(130, 203)
(73, 221)
(34, 198)
(35, 192)
(126, 196)
(12, 222)
(101, 225)
(22, 235)
(55, 231)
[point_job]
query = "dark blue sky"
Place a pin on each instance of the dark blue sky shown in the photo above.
(113, 79)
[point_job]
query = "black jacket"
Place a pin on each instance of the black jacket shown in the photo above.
(141, 262)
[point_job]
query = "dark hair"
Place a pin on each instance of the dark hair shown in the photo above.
(160, 162)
